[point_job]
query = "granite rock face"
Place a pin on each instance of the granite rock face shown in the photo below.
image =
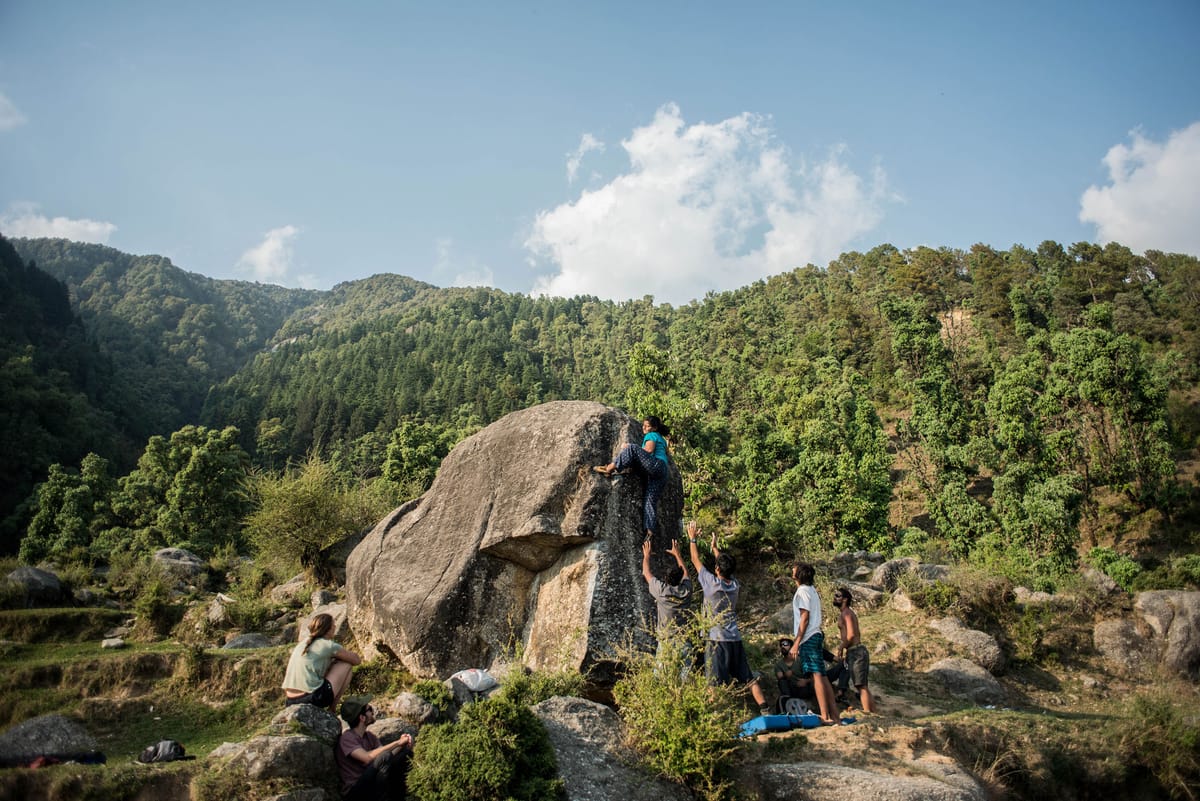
(517, 541)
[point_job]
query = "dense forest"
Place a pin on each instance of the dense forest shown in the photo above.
(1014, 407)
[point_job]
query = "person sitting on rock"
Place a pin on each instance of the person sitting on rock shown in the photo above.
(318, 670)
(369, 770)
(652, 460)
(791, 681)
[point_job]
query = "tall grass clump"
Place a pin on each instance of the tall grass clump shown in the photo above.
(683, 729)
(1166, 741)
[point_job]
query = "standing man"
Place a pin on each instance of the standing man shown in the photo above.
(725, 656)
(370, 771)
(809, 641)
(671, 600)
(858, 662)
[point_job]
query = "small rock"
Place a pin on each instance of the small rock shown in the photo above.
(414, 708)
(112, 642)
(902, 603)
(967, 679)
(180, 563)
(292, 591)
(249, 640)
(389, 730)
(321, 598)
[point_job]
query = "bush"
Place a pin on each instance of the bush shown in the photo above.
(497, 749)
(1118, 567)
(533, 688)
(156, 613)
(684, 729)
(435, 693)
(1166, 742)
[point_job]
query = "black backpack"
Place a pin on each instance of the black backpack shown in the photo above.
(162, 751)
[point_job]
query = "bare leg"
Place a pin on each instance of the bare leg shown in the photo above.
(825, 700)
(757, 692)
(339, 679)
(866, 699)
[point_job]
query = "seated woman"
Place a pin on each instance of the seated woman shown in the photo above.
(318, 669)
(652, 460)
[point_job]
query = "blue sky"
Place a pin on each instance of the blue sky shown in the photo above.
(613, 149)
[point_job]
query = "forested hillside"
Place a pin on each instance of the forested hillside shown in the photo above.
(1015, 407)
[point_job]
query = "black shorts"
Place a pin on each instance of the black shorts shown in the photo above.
(858, 663)
(727, 662)
(322, 697)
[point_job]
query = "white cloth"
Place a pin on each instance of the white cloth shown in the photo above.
(806, 598)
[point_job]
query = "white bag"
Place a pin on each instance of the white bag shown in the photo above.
(476, 680)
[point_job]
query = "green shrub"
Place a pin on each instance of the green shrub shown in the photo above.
(497, 749)
(156, 613)
(935, 597)
(1118, 567)
(683, 729)
(1166, 741)
(435, 693)
(533, 688)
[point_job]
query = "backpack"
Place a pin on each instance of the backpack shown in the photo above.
(162, 751)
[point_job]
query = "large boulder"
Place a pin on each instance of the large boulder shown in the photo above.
(48, 735)
(40, 587)
(815, 781)
(1120, 643)
(966, 679)
(290, 756)
(979, 646)
(1174, 618)
(308, 720)
(341, 623)
(594, 766)
(518, 541)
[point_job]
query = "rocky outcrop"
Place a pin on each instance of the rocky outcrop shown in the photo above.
(48, 735)
(180, 563)
(592, 763)
(979, 646)
(1174, 618)
(1164, 629)
(968, 680)
(291, 756)
(814, 781)
(518, 541)
(38, 587)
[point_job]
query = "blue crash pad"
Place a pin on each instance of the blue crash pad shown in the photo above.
(764, 723)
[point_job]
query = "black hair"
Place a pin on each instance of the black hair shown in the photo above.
(658, 425)
(804, 573)
(845, 594)
(675, 575)
(726, 564)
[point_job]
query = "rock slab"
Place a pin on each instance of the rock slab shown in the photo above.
(517, 540)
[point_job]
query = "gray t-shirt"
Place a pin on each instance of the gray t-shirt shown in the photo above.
(671, 602)
(720, 599)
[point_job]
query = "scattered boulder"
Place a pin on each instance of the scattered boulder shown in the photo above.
(249, 640)
(308, 720)
(112, 642)
(1104, 586)
(292, 756)
(1174, 618)
(901, 602)
(390, 729)
(218, 612)
(414, 709)
(888, 574)
(47, 735)
(180, 563)
(1027, 597)
(321, 598)
(821, 782)
(341, 623)
(1122, 646)
(517, 539)
(967, 679)
(292, 592)
(980, 647)
(865, 595)
(40, 587)
(593, 764)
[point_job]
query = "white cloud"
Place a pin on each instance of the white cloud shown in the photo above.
(587, 143)
(1152, 200)
(10, 116)
(23, 219)
(472, 273)
(702, 207)
(271, 260)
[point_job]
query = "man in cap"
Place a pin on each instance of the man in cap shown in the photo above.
(369, 770)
